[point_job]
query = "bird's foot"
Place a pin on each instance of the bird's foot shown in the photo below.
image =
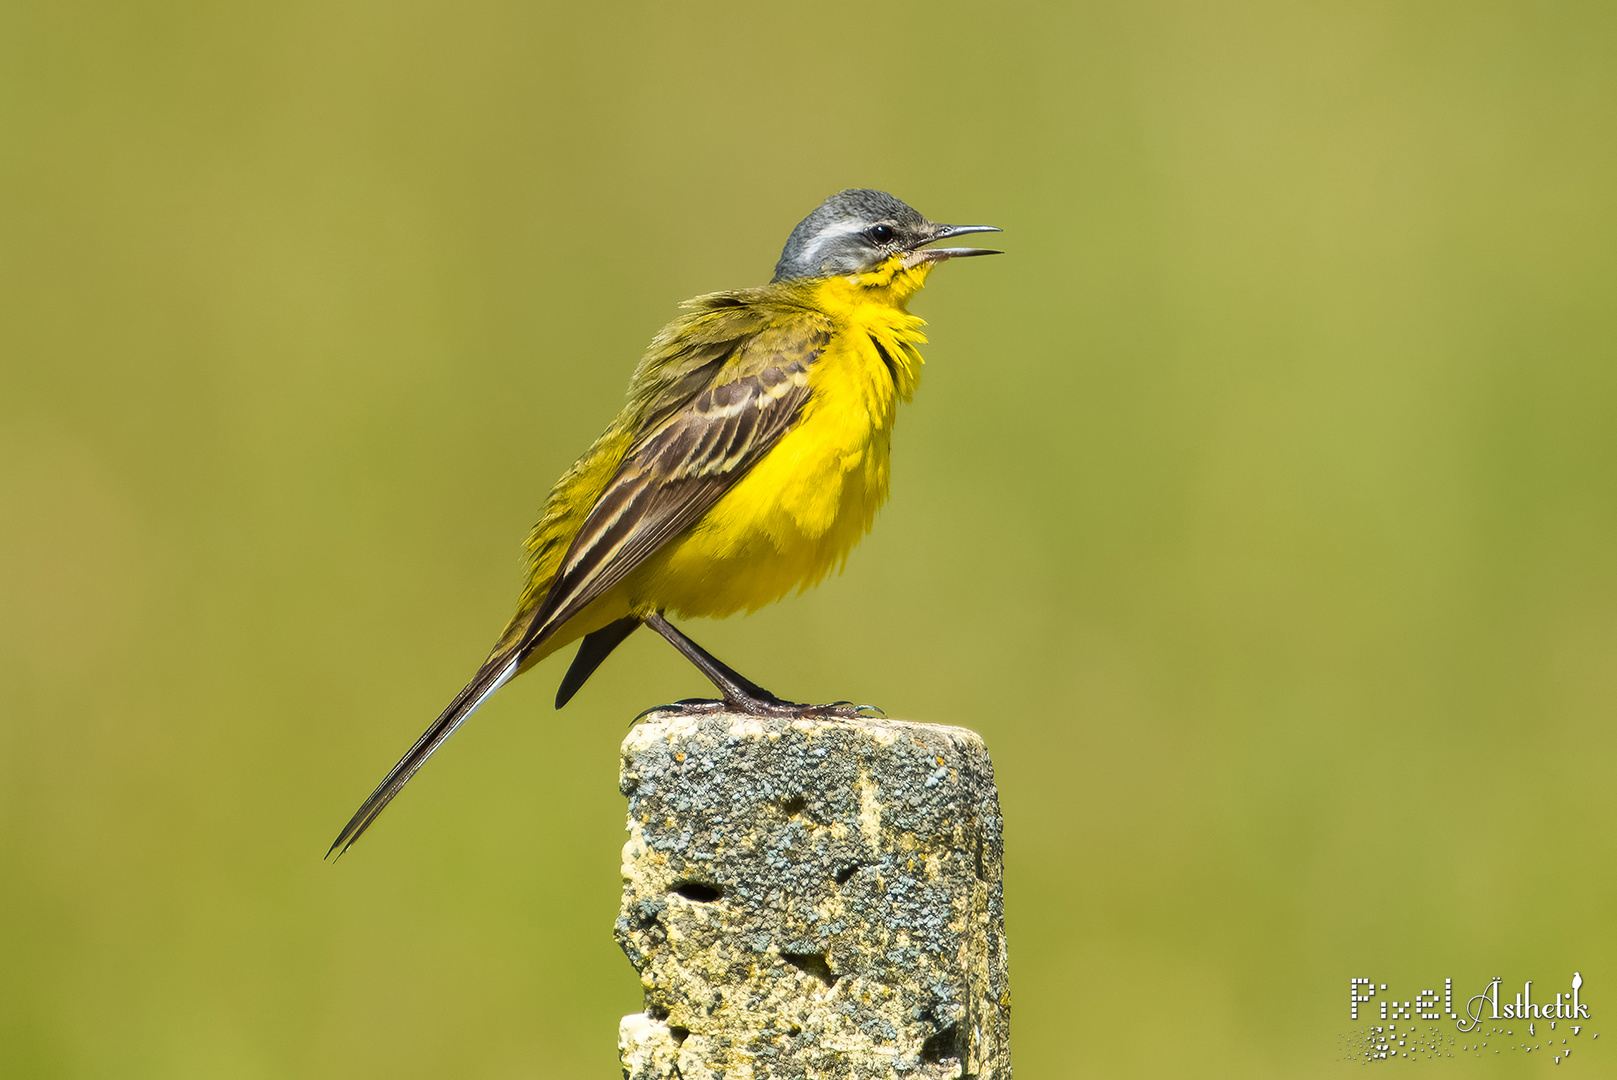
(690, 706)
(770, 706)
(847, 710)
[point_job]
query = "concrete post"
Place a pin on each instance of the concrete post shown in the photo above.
(812, 899)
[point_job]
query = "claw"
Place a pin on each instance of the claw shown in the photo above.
(771, 706)
(850, 710)
(691, 706)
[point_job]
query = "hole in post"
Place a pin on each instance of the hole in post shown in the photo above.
(696, 890)
(844, 875)
(814, 964)
(679, 1033)
(794, 805)
(943, 1045)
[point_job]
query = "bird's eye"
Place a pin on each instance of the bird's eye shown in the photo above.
(881, 233)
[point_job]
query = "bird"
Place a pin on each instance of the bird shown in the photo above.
(751, 456)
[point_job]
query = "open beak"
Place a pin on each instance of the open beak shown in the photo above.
(920, 254)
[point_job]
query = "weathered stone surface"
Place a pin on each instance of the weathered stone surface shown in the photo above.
(812, 898)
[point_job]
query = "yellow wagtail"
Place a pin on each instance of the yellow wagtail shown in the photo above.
(752, 455)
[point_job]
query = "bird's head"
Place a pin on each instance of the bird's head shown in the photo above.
(870, 235)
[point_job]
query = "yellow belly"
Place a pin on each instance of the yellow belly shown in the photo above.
(800, 510)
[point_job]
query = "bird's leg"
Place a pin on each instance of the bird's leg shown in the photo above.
(738, 690)
(741, 693)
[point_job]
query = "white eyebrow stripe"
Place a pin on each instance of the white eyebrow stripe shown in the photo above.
(829, 233)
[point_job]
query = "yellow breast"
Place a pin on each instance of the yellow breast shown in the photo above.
(800, 510)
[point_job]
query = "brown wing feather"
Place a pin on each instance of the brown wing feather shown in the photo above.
(719, 392)
(675, 474)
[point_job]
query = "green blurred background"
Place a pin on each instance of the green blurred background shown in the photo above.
(1259, 508)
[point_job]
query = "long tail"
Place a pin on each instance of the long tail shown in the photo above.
(490, 677)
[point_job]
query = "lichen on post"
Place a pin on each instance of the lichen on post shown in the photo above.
(812, 899)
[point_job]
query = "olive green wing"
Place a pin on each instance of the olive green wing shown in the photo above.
(712, 405)
(685, 461)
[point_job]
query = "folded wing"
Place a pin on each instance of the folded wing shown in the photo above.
(713, 421)
(676, 473)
